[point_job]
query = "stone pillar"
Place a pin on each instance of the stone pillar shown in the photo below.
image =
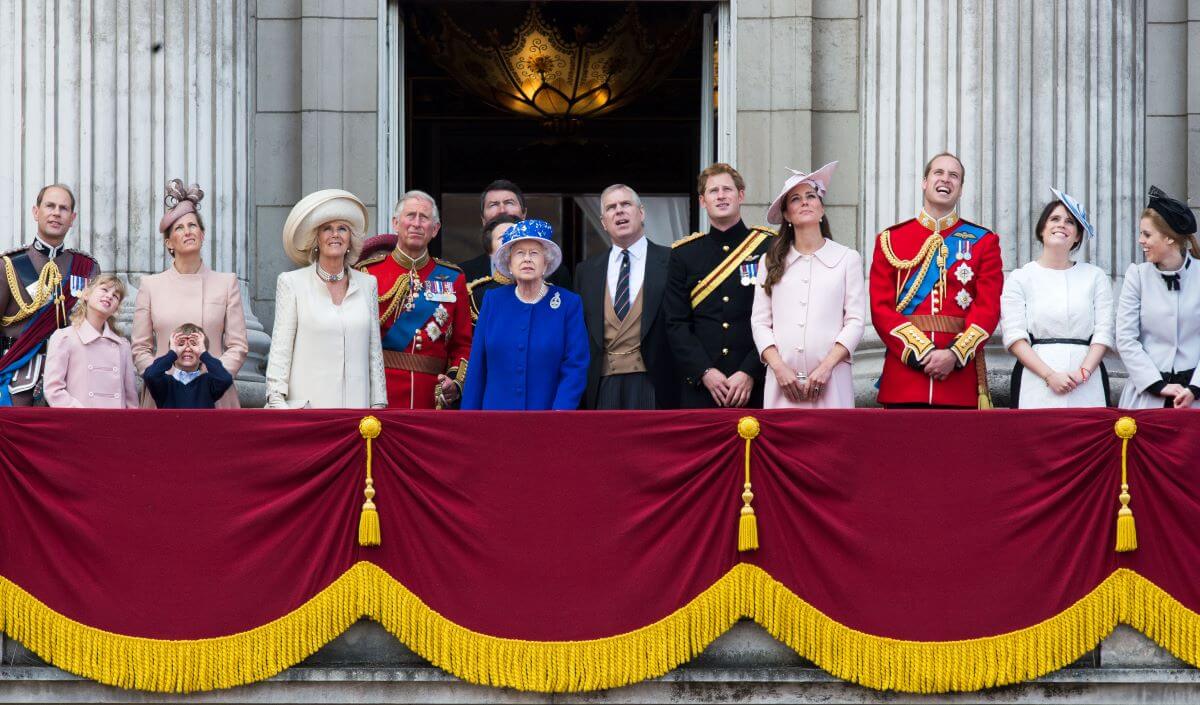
(774, 97)
(315, 118)
(115, 97)
(1030, 95)
(1193, 103)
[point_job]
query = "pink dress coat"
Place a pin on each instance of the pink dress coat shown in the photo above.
(821, 300)
(211, 300)
(87, 368)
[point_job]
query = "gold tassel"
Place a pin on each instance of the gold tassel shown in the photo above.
(1125, 428)
(981, 381)
(368, 523)
(748, 523)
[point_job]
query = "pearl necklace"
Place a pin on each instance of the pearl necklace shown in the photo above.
(326, 276)
(541, 295)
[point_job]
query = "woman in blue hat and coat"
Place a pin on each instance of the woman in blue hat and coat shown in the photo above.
(530, 349)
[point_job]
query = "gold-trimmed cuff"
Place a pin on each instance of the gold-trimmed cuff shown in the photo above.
(967, 343)
(915, 341)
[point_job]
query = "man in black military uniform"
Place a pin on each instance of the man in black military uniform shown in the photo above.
(492, 231)
(41, 281)
(710, 292)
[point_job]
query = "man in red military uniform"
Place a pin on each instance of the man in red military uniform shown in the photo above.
(935, 299)
(424, 311)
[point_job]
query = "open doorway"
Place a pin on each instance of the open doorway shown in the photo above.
(457, 140)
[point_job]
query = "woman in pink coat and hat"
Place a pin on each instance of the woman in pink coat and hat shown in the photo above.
(188, 292)
(810, 302)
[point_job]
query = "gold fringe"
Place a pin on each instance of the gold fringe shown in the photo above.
(366, 590)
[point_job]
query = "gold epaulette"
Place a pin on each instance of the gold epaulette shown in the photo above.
(373, 259)
(476, 282)
(685, 240)
(446, 263)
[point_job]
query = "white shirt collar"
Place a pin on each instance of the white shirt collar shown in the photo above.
(637, 250)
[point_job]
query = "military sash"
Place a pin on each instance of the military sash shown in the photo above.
(956, 241)
(41, 325)
(407, 323)
(728, 266)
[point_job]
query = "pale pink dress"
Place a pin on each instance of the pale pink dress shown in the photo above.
(821, 300)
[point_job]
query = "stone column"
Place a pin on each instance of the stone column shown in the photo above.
(115, 97)
(315, 119)
(774, 97)
(1029, 94)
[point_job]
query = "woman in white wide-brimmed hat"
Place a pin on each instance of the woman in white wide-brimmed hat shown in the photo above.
(530, 348)
(810, 303)
(325, 347)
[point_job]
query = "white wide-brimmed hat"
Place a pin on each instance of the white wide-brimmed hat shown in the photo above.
(538, 230)
(819, 179)
(316, 209)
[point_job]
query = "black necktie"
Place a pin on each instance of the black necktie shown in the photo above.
(621, 298)
(1172, 281)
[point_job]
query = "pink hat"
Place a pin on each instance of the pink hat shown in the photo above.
(179, 202)
(819, 179)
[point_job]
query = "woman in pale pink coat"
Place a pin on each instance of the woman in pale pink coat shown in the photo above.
(88, 365)
(189, 292)
(810, 302)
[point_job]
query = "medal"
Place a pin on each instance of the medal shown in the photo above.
(964, 251)
(964, 273)
(963, 299)
(749, 272)
(440, 290)
(441, 315)
(433, 330)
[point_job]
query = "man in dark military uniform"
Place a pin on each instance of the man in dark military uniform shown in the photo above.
(492, 231)
(41, 281)
(710, 292)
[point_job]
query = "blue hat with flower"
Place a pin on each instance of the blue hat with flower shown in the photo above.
(1076, 209)
(532, 229)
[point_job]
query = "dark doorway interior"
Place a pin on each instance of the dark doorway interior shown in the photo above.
(456, 143)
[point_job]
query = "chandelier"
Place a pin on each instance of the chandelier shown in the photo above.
(561, 80)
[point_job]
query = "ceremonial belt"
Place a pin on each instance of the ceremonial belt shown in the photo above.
(413, 363)
(939, 324)
(716, 277)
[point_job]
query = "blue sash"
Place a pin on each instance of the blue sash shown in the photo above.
(962, 232)
(400, 335)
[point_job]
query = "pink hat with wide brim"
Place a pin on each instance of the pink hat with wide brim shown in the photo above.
(819, 179)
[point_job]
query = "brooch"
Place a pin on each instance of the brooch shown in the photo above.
(964, 273)
(555, 301)
(963, 299)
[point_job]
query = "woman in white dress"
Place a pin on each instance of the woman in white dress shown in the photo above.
(1058, 317)
(1158, 315)
(325, 346)
(809, 302)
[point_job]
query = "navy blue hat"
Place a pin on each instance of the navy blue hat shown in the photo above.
(1177, 214)
(532, 229)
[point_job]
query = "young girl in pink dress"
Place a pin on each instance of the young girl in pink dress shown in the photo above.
(89, 363)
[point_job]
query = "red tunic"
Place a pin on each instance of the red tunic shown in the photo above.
(957, 312)
(443, 336)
